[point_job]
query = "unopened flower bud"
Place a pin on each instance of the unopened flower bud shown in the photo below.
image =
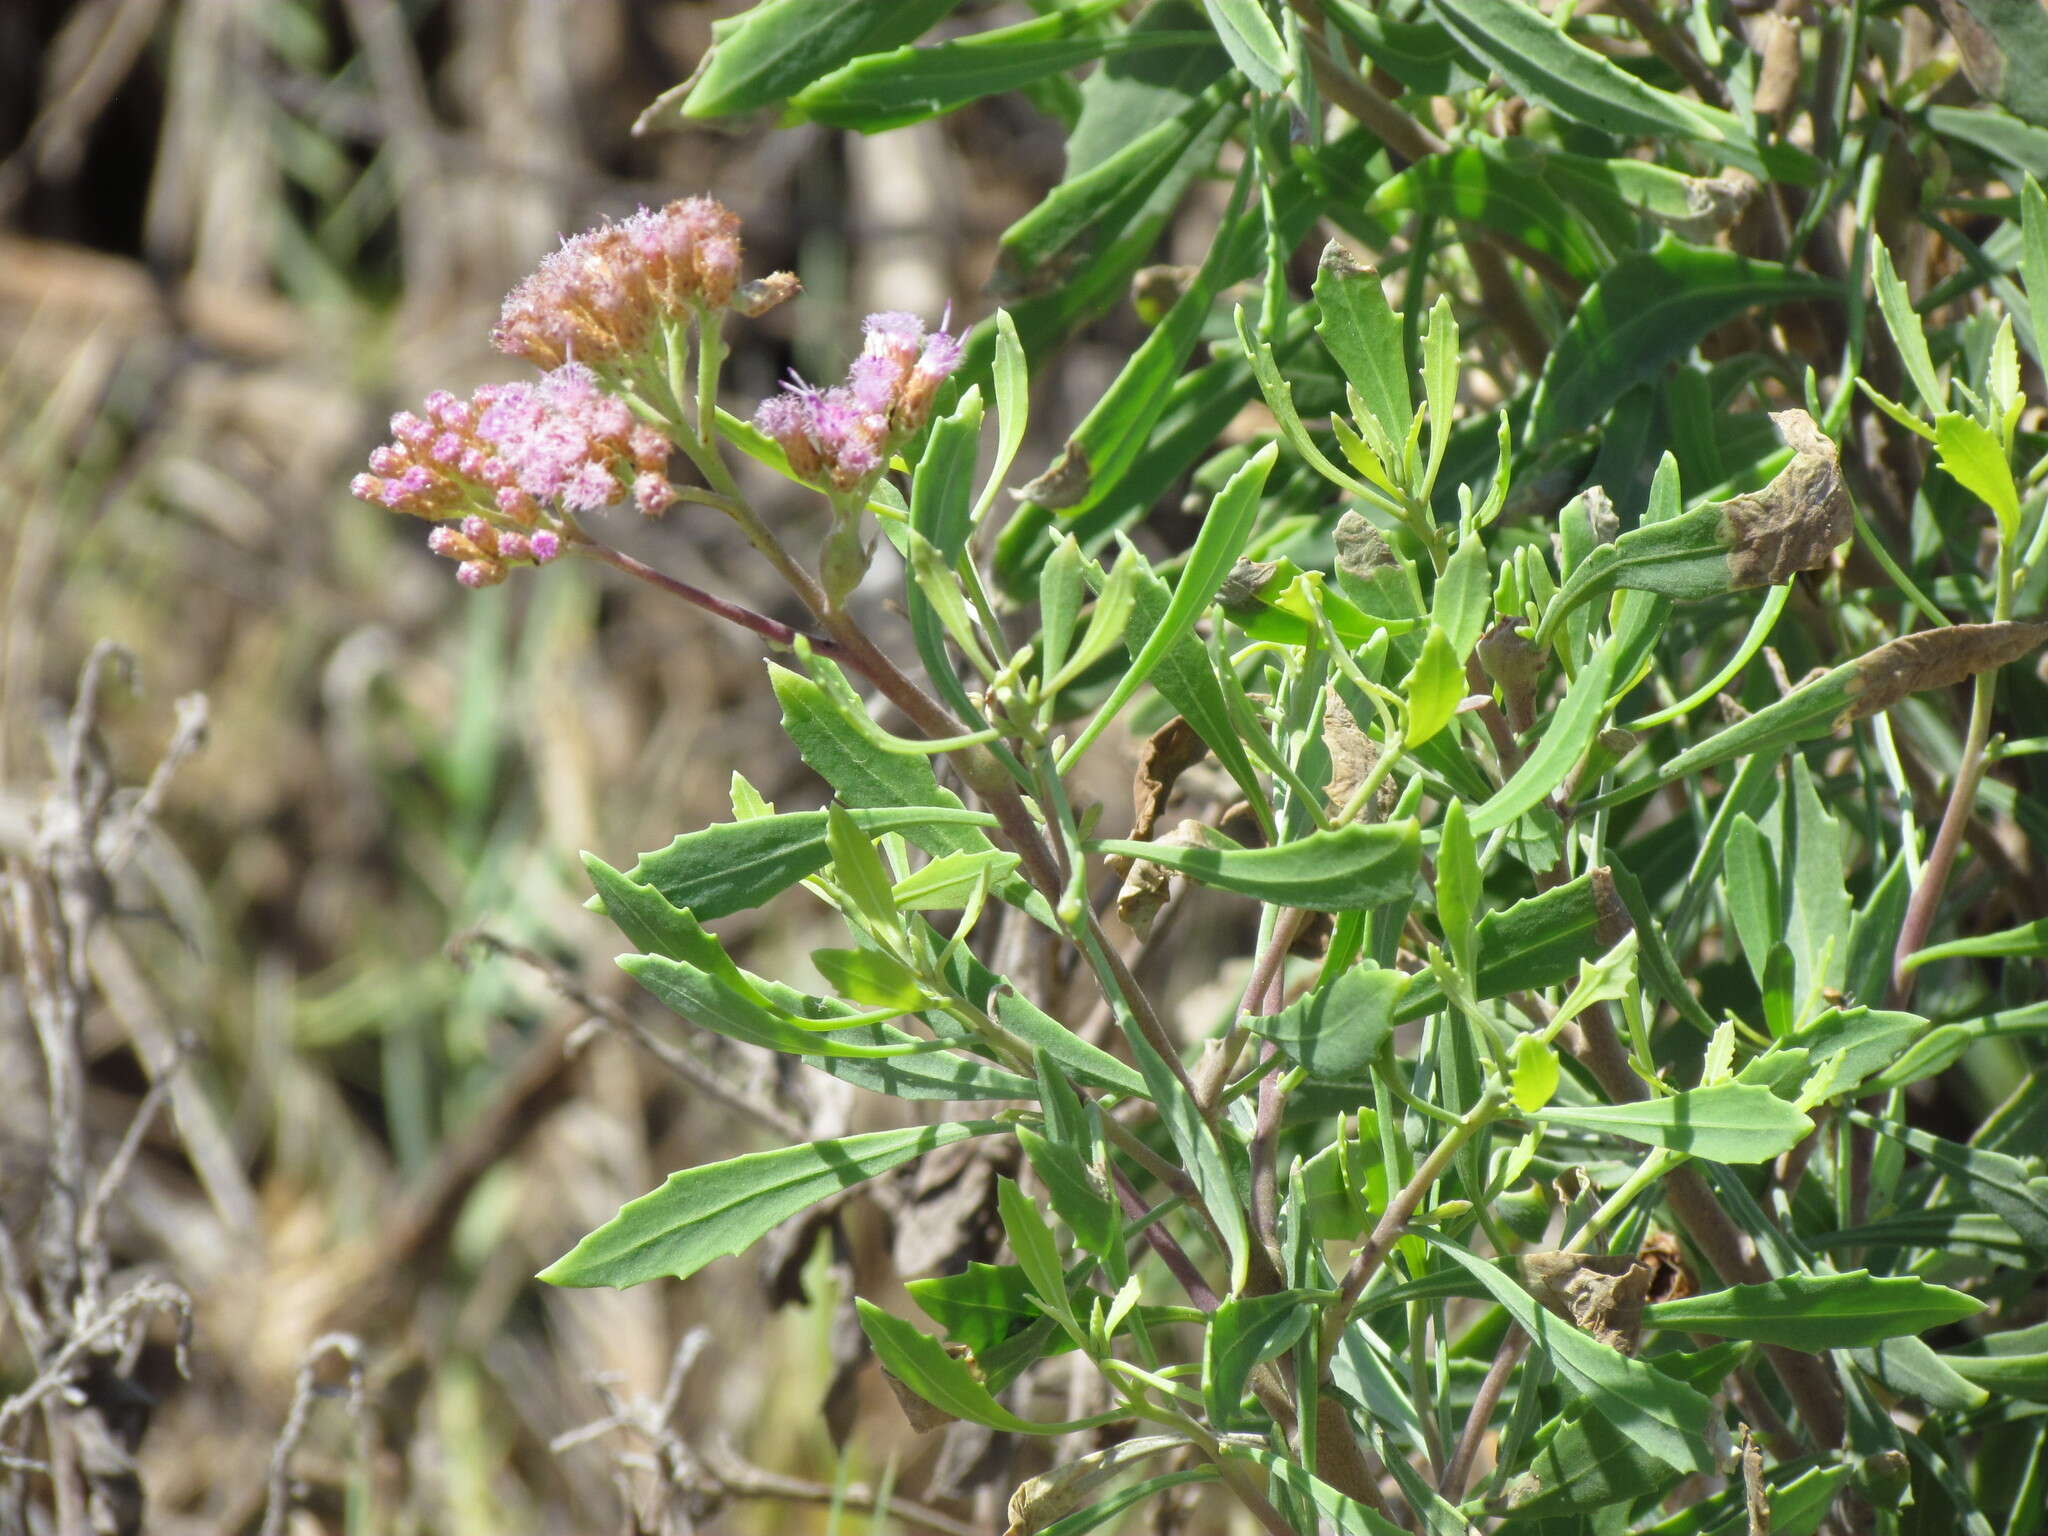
(652, 494)
(544, 546)
(479, 573)
(513, 546)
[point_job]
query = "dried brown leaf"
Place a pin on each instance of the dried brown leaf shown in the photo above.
(1601, 1293)
(1794, 523)
(1935, 658)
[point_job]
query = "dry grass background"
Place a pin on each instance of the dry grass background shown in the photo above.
(234, 236)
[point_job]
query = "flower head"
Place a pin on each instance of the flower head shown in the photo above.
(509, 468)
(842, 437)
(600, 297)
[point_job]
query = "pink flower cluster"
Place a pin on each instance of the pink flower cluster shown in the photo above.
(512, 463)
(842, 436)
(597, 299)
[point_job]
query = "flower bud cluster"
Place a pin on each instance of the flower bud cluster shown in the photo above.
(512, 465)
(841, 437)
(599, 298)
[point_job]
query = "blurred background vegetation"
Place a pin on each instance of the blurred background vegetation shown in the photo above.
(234, 237)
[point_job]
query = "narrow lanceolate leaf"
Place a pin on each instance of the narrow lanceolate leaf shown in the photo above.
(1566, 736)
(921, 1363)
(1665, 1417)
(1536, 943)
(1200, 1153)
(1337, 1029)
(2027, 939)
(1254, 46)
(776, 50)
(1479, 185)
(740, 864)
(1758, 539)
(1350, 867)
(1727, 1123)
(1856, 690)
(2005, 1184)
(712, 1212)
(1586, 1465)
(1346, 1515)
(880, 91)
(1364, 335)
(1972, 456)
(1650, 309)
(1817, 1312)
(656, 927)
(1243, 1332)
(1222, 539)
(1534, 56)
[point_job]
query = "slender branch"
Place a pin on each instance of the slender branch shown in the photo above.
(774, 631)
(1394, 1220)
(1484, 1401)
(1731, 1252)
(1948, 838)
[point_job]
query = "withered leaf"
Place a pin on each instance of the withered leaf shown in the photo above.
(1353, 755)
(1052, 1496)
(1065, 482)
(1794, 523)
(1935, 658)
(1168, 753)
(1600, 1293)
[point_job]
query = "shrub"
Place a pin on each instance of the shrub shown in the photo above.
(1624, 1117)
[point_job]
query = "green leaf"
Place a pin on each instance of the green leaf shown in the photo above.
(1727, 1123)
(654, 926)
(1587, 1465)
(1199, 1153)
(1817, 1312)
(1059, 604)
(1533, 944)
(1566, 736)
(1364, 335)
(1975, 461)
(1073, 1193)
(880, 91)
(1477, 184)
(1186, 678)
(858, 869)
(1665, 1417)
(948, 883)
(1335, 871)
(980, 1307)
(2010, 1364)
(1253, 44)
(1651, 308)
(721, 1209)
(1243, 1332)
(1435, 685)
(1080, 1060)
(739, 864)
(1222, 539)
(922, 1364)
(1037, 1250)
(869, 977)
(1463, 596)
(1114, 434)
(1346, 1515)
(1869, 685)
(1539, 62)
(1534, 1073)
(778, 48)
(1904, 324)
(2004, 1184)
(1460, 887)
(1758, 539)
(1336, 1030)
(878, 1057)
